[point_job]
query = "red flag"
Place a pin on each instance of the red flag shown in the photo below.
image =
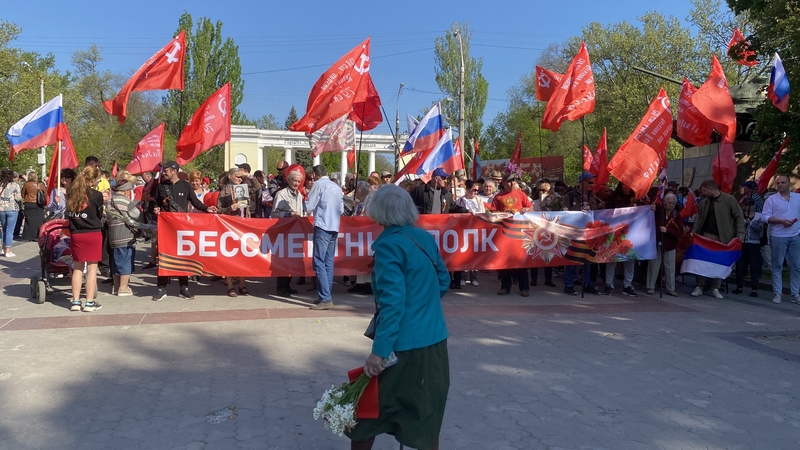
(587, 159)
(210, 125)
(574, 96)
(456, 162)
(692, 126)
(771, 169)
(164, 70)
(351, 158)
(517, 155)
(600, 163)
(67, 156)
(689, 207)
(114, 169)
(637, 162)
(476, 162)
(723, 167)
(343, 89)
(745, 56)
(714, 102)
(546, 83)
(149, 152)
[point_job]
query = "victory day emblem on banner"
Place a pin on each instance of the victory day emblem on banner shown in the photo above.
(543, 241)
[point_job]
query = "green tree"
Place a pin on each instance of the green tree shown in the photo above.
(267, 122)
(447, 59)
(291, 118)
(211, 61)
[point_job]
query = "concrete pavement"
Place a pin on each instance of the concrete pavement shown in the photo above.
(546, 372)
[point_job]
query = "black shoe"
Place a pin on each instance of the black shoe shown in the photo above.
(549, 283)
(738, 290)
(590, 289)
(301, 281)
(161, 294)
(629, 291)
(570, 290)
(361, 288)
(149, 266)
(455, 285)
(291, 291)
(107, 281)
(754, 293)
(186, 294)
(282, 293)
(608, 290)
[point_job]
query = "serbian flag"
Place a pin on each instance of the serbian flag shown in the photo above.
(476, 162)
(517, 155)
(689, 207)
(709, 258)
(546, 83)
(639, 159)
(442, 156)
(210, 125)
(723, 167)
(164, 70)
(345, 88)
(713, 101)
(778, 90)
(599, 166)
(37, 129)
(337, 136)
(149, 152)
(427, 132)
(587, 158)
(771, 169)
(742, 53)
(574, 96)
(692, 126)
(67, 156)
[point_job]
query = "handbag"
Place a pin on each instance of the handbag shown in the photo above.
(370, 331)
(41, 200)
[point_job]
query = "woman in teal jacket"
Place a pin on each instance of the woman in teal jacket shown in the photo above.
(408, 279)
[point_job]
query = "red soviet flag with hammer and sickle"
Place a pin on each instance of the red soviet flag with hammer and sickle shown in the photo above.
(164, 70)
(574, 95)
(546, 83)
(210, 125)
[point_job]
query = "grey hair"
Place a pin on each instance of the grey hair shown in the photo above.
(670, 196)
(362, 189)
(292, 173)
(391, 205)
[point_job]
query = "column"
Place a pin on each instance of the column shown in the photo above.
(287, 154)
(317, 160)
(371, 161)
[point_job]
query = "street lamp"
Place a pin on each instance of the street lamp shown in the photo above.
(397, 129)
(43, 150)
(461, 128)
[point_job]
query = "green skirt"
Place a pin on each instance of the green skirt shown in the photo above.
(412, 395)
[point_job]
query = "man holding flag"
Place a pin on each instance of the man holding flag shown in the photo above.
(719, 218)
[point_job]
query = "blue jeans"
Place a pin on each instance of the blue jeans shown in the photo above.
(785, 248)
(324, 250)
(8, 220)
(570, 271)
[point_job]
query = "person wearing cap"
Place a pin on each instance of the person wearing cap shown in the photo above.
(750, 190)
(386, 177)
(253, 188)
(581, 198)
(175, 195)
(513, 200)
(122, 211)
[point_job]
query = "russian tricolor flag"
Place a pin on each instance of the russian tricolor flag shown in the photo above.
(709, 258)
(778, 90)
(37, 129)
(427, 133)
(444, 156)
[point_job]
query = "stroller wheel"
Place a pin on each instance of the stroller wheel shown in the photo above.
(34, 284)
(41, 292)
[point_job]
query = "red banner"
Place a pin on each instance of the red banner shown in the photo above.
(208, 244)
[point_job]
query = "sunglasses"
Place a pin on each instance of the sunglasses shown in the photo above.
(474, 190)
(542, 190)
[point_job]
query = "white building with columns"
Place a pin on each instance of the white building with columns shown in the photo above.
(250, 145)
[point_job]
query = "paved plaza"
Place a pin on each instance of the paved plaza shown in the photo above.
(546, 372)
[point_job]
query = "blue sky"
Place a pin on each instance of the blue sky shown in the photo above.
(279, 40)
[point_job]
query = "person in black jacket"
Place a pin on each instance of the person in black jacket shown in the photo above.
(174, 195)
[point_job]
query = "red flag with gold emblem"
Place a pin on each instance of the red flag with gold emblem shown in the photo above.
(574, 96)
(546, 83)
(637, 162)
(210, 125)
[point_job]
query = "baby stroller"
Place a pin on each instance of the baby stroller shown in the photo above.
(54, 256)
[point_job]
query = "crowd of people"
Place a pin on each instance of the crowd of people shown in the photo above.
(106, 218)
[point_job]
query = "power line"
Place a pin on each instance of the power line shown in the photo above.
(329, 64)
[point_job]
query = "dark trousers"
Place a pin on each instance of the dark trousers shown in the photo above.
(283, 283)
(751, 258)
(164, 281)
(506, 276)
(455, 278)
(548, 275)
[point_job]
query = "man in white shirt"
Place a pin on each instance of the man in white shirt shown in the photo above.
(325, 203)
(781, 211)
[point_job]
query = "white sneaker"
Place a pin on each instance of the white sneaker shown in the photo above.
(716, 293)
(795, 299)
(697, 292)
(463, 282)
(475, 283)
(777, 298)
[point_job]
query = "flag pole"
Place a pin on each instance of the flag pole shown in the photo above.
(58, 173)
(394, 137)
(539, 132)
